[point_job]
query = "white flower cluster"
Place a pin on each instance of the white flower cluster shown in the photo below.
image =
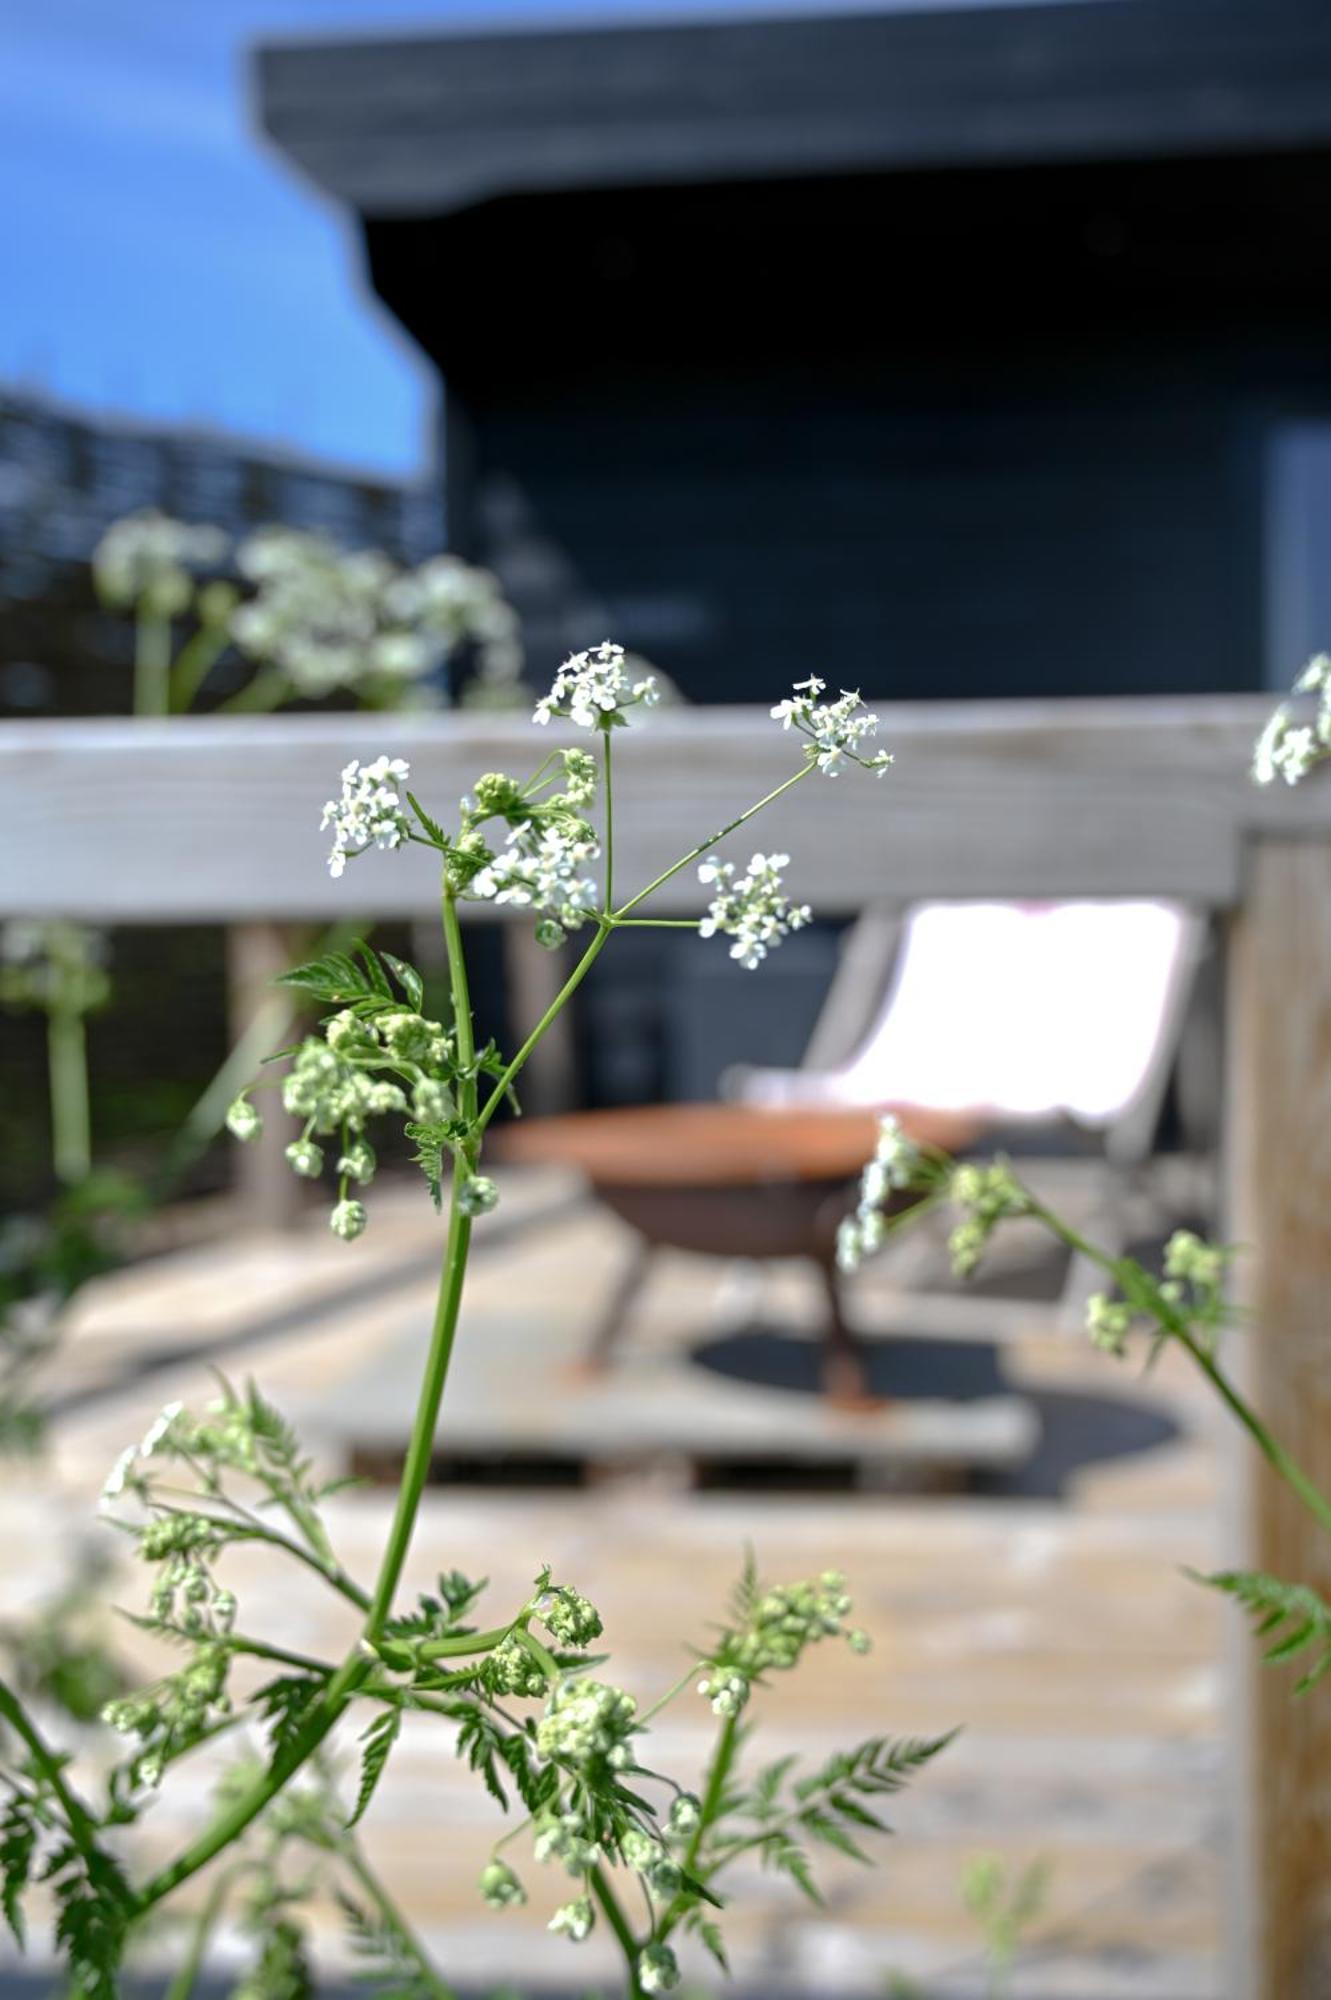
(573, 1920)
(782, 1622)
(1289, 749)
(123, 1472)
(895, 1165)
(593, 689)
(146, 559)
(586, 1722)
(369, 813)
(1190, 1260)
(452, 601)
(647, 1857)
(1108, 1322)
(327, 618)
(565, 1837)
(987, 1196)
(542, 867)
(750, 908)
(837, 729)
(568, 1616)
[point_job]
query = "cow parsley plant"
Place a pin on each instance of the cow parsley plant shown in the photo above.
(528, 1693)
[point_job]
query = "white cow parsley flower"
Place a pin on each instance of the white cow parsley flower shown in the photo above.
(836, 729)
(541, 868)
(122, 1472)
(896, 1164)
(750, 908)
(592, 689)
(146, 558)
(1287, 748)
(369, 812)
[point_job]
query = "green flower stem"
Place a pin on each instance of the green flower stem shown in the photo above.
(608, 902)
(561, 999)
(696, 853)
(672, 1693)
(1176, 1326)
(268, 690)
(718, 1776)
(260, 1649)
(71, 1120)
(599, 1883)
(152, 663)
(228, 1826)
(356, 1669)
(394, 1921)
(416, 1469)
(194, 664)
(182, 1986)
(464, 1645)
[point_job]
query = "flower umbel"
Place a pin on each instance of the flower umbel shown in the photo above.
(751, 908)
(593, 689)
(369, 812)
(836, 729)
(897, 1164)
(1287, 748)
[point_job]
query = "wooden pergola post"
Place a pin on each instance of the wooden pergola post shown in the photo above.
(1279, 1155)
(270, 1194)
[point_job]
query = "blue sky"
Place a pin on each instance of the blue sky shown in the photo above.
(159, 260)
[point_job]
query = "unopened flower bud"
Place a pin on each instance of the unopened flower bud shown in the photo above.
(550, 935)
(500, 1886)
(358, 1162)
(348, 1220)
(658, 1969)
(478, 1195)
(243, 1121)
(573, 1919)
(305, 1158)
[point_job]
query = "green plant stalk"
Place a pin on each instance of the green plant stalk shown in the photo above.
(604, 1893)
(696, 853)
(718, 1776)
(560, 1001)
(360, 1663)
(1282, 1463)
(267, 691)
(152, 663)
(71, 1118)
(185, 1980)
(608, 896)
(394, 1921)
(194, 664)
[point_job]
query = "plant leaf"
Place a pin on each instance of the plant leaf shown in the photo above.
(378, 1739)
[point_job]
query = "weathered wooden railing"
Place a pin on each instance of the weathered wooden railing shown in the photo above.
(201, 820)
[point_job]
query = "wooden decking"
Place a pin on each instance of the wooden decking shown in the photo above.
(1087, 1672)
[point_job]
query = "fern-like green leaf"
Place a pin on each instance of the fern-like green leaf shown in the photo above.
(384, 1966)
(334, 978)
(407, 978)
(378, 1739)
(19, 1834)
(1293, 1611)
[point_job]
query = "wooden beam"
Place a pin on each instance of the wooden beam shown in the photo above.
(217, 819)
(425, 125)
(1279, 1157)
